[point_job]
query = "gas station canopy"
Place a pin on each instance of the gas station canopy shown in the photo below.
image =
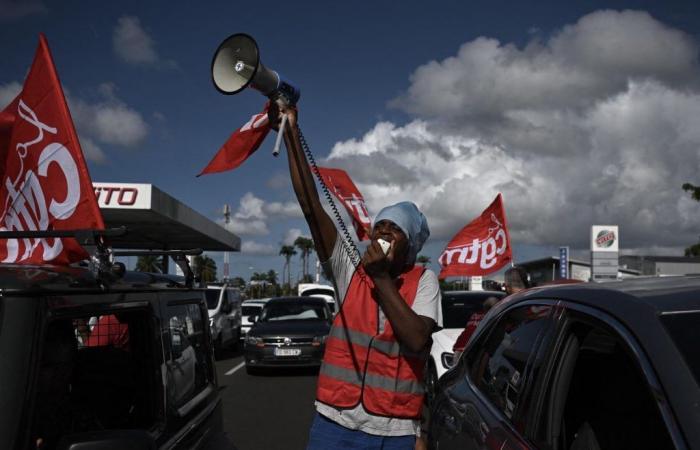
(157, 221)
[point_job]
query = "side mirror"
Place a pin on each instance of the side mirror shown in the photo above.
(108, 440)
(253, 319)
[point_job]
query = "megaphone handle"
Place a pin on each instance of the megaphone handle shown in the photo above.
(276, 149)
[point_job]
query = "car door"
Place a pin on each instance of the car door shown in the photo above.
(483, 402)
(601, 392)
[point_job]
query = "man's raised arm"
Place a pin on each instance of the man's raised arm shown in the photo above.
(322, 228)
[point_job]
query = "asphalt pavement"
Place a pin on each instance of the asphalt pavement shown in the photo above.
(269, 411)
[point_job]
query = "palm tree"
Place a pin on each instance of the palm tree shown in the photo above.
(204, 268)
(306, 246)
(287, 251)
(422, 259)
(148, 263)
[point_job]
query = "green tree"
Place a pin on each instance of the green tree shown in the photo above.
(148, 263)
(306, 246)
(287, 251)
(693, 250)
(204, 268)
(422, 259)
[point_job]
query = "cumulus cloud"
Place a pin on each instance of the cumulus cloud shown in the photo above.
(252, 213)
(291, 235)
(132, 43)
(16, 9)
(594, 125)
(256, 248)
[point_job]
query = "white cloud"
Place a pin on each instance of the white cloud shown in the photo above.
(256, 248)
(571, 136)
(254, 227)
(8, 92)
(132, 43)
(109, 120)
(291, 235)
(92, 151)
(16, 9)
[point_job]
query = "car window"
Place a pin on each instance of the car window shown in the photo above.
(457, 307)
(498, 366)
(212, 296)
(294, 311)
(684, 329)
(251, 310)
(188, 364)
(599, 394)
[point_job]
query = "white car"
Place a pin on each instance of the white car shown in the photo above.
(224, 305)
(319, 290)
(250, 308)
(457, 307)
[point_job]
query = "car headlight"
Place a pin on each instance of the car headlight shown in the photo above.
(253, 340)
(319, 340)
(448, 360)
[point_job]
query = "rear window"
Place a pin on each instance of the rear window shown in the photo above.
(457, 307)
(251, 310)
(684, 329)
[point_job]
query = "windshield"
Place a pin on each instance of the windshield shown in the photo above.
(318, 291)
(251, 310)
(684, 328)
(458, 307)
(293, 311)
(212, 298)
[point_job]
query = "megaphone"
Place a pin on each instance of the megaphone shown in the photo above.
(236, 65)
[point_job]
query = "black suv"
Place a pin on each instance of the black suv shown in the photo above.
(126, 363)
(587, 366)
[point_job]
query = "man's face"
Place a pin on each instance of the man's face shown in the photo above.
(390, 232)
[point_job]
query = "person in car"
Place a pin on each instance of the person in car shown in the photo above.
(370, 389)
(473, 322)
(516, 279)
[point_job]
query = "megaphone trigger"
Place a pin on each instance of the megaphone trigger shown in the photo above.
(276, 148)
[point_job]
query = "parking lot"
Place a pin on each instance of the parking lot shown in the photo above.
(270, 411)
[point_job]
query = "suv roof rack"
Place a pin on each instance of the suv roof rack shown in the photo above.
(101, 262)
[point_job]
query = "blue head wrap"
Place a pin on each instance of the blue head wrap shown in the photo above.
(411, 221)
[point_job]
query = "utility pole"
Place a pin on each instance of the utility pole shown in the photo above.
(227, 220)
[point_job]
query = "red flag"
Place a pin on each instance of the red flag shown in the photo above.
(340, 184)
(481, 247)
(45, 181)
(242, 143)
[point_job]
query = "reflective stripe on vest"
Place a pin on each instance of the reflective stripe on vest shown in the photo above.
(376, 381)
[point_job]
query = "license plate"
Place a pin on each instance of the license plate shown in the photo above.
(287, 351)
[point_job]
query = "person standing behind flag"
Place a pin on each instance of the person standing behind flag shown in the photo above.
(370, 386)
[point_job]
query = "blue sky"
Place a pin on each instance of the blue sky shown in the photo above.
(579, 112)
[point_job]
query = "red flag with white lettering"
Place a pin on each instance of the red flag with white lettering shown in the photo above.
(481, 247)
(242, 143)
(45, 181)
(340, 184)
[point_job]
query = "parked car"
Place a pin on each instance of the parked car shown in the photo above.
(224, 305)
(319, 290)
(143, 376)
(249, 309)
(457, 307)
(290, 331)
(594, 366)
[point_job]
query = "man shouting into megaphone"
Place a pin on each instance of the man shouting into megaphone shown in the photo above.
(370, 385)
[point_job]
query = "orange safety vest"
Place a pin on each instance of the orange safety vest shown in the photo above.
(362, 365)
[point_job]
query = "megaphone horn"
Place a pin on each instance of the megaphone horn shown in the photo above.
(236, 65)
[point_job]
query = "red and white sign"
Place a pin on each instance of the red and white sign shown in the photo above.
(242, 143)
(45, 182)
(123, 195)
(605, 238)
(341, 185)
(481, 247)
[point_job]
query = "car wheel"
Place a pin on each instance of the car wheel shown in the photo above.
(430, 382)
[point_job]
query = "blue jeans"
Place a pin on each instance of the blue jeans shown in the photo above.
(328, 435)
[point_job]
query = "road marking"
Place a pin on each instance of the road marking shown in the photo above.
(230, 372)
